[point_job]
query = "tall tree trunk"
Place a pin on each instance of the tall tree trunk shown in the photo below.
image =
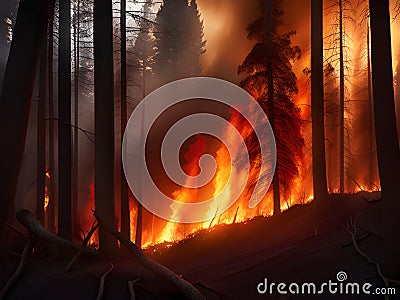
(271, 108)
(19, 80)
(104, 119)
(372, 144)
(41, 137)
(139, 225)
(386, 132)
(341, 103)
(138, 235)
(50, 213)
(317, 102)
(75, 177)
(139, 219)
(125, 209)
(64, 123)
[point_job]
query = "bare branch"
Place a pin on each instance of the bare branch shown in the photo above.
(102, 282)
(84, 244)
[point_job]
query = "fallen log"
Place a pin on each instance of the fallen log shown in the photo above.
(26, 218)
(187, 289)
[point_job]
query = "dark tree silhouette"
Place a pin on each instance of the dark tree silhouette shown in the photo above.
(179, 41)
(29, 33)
(271, 106)
(104, 119)
(338, 55)
(125, 209)
(143, 61)
(50, 215)
(64, 123)
(342, 103)
(317, 102)
(386, 132)
(371, 138)
(75, 165)
(331, 98)
(286, 116)
(144, 54)
(41, 137)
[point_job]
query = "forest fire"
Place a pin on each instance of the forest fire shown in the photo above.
(299, 178)
(189, 149)
(239, 212)
(360, 167)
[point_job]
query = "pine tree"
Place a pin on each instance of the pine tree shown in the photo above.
(286, 119)
(104, 120)
(179, 41)
(144, 54)
(50, 211)
(64, 129)
(41, 137)
(30, 31)
(143, 62)
(337, 55)
(124, 196)
(331, 98)
(75, 156)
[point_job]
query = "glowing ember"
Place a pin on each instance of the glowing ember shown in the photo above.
(46, 199)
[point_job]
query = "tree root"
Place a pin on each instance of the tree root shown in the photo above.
(103, 281)
(27, 250)
(185, 287)
(352, 229)
(26, 218)
(130, 287)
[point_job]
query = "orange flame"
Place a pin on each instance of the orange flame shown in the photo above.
(46, 199)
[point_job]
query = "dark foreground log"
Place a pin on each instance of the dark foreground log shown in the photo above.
(190, 292)
(26, 218)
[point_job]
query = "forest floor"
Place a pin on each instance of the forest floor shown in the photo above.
(292, 247)
(231, 260)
